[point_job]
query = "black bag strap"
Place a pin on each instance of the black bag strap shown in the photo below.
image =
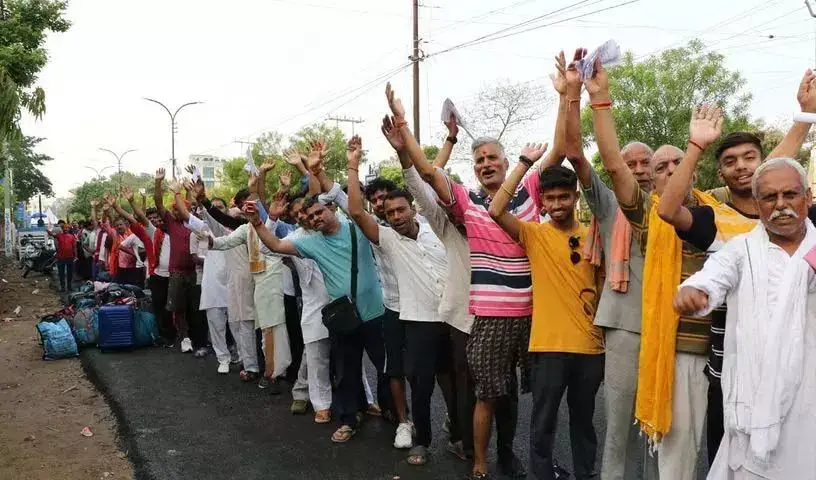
(353, 262)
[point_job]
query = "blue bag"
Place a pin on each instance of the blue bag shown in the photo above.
(145, 330)
(86, 326)
(57, 340)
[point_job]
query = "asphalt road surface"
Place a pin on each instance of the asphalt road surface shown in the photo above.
(179, 419)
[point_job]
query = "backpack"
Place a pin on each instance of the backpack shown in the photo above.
(86, 326)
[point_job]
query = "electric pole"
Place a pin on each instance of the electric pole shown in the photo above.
(352, 121)
(416, 59)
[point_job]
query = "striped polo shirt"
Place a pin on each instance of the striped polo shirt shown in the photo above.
(500, 283)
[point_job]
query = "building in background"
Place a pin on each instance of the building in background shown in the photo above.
(210, 167)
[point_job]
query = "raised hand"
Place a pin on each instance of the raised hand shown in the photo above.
(534, 151)
(188, 185)
(573, 76)
(286, 179)
(453, 127)
(277, 207)
(268, 164)
(127, 193)
(109, 199)
(94, 203)
(394, 103)
(190, 169)
(174, 186)
(690, 301)
(598, 83)
(251, 212)
(391, 133)
(316, 155)
(160, 174)
(354, 152)
(706, 125)
(293, 157)
(199, 191)
(252, 184)
(559, 78)
(807, 92)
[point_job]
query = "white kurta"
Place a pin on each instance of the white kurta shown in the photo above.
(240, 287)
(794, 456)
(214, 282)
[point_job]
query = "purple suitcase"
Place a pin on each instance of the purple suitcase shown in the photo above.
(115, 327)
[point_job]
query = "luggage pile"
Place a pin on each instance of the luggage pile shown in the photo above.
(115, 317)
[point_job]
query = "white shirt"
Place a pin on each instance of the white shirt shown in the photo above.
(453, 308)
(214, 277)
(103, 250)
(163, 265)
(288, 282)
(420, 266)
(313, 294)
(133, 242)
(388, 281)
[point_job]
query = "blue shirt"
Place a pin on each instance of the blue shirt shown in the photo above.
(333, 256)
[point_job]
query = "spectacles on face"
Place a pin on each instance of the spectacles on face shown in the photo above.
(574, 243)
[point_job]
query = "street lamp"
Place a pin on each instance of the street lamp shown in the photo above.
(172, 128)
(118, 161)
(98, 172)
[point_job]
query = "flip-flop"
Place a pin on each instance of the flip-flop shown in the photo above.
(417, 456)
(343, 434)
(322, 416)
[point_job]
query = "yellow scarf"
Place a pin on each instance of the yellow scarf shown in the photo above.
(257, 263)
(661, 276)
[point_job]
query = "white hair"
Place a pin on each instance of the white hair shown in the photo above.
(482, 141)
(776, 164)
(633, 145)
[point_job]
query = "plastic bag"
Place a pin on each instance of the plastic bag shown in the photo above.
(145, 330)
(57, 340)
(86, 326)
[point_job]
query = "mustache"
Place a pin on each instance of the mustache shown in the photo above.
(785, 211)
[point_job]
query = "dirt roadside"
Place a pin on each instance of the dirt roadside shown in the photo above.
(45, 405)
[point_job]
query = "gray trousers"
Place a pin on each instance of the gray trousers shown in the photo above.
(620, 386)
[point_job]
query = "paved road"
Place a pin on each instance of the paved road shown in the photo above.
(179, 419)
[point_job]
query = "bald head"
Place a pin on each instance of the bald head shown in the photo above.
(665, 160)
(638, 157)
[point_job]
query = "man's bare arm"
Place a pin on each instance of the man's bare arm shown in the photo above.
(268, 238)
(498, 207)
(158, 192)
(442, 158)
(795, 138)
(355, 198)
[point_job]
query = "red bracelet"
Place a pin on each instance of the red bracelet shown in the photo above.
(692, 142)
(600, 105)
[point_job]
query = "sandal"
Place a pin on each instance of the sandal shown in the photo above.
(457, 450)
(417, 456)
(343, 434)
(373, 410)
(322, 416)
(299, 407)
(479, 476)
(247, 376)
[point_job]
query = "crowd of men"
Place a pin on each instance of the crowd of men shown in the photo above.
(690, 307)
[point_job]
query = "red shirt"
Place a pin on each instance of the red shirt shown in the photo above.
(66, 243)
(181, 261)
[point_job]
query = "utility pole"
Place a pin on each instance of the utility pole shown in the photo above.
(118, 161)
(416, 58)
(352, 121)
(172, 129)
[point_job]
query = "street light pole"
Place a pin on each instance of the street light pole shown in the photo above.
(118, 161)
(98, 172)
(172, 128)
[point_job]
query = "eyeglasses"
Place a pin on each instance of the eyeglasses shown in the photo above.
(574, 243)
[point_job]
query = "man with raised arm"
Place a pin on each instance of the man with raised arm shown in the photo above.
(672, 388)
(500, 293)
(419, 262)
(331, 247)
(769, 350)
(708, 228)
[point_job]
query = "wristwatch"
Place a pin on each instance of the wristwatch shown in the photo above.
(452, 140)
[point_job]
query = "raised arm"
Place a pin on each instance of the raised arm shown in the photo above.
(179, 200)
(267, 165)
(498, 207)
(624, 183)
(355, 198)
(138, 213)
(268, 238)
(447, 148)
(315, 162)
(795, 138)
(158, 193)
(124, 213)
(94, 203)
(568, 80)
(705, 129)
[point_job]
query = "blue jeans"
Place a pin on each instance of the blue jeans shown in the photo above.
(62, 266)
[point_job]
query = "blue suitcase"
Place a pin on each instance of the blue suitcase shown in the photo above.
(115, 327)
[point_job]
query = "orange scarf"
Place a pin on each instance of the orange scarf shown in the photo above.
(113, 255)
(621, 244)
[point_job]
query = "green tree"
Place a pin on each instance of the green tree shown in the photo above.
(653, 100)
(25, 162)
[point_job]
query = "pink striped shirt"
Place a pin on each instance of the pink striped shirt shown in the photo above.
(500, 283)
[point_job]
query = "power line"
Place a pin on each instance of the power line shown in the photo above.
(489, 38)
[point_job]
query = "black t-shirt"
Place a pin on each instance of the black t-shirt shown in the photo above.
(702, 235)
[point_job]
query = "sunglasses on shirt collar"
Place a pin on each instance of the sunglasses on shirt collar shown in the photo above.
(574, 242)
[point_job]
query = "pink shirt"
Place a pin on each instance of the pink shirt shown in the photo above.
(500, 282)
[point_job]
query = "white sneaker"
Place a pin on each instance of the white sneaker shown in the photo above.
(223, 367)
(405, 436)
(186, 346)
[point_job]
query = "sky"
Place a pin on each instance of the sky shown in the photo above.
(263, 65)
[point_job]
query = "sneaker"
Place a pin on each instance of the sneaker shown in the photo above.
(186, 346)
(405, 436)
(200, 352)
(263, 383)
(223, 368)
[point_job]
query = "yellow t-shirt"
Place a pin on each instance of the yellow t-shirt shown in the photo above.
(565, 295)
